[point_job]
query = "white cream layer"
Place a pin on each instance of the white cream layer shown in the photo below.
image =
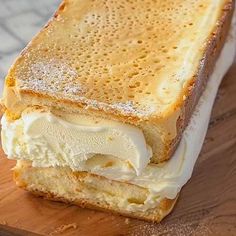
(48, 140)
(36, 136)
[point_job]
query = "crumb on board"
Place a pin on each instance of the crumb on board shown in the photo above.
(3, 222)
(63, 228)
(176, 229)
(127, 221)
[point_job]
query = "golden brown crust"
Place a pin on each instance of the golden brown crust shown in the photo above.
(166, 206)
(195, 87)
(219, 31)
(36, 181)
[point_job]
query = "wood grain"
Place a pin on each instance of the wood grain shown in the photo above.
(207, 204)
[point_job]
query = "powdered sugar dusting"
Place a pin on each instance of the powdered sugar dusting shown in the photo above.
(127, 108)
(52, 76)
(59, 80)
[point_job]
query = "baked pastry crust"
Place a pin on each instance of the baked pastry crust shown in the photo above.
(87, 190)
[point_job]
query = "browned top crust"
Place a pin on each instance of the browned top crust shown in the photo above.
(126, 59)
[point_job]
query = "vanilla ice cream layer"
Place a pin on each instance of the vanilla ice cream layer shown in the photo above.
(49, 140)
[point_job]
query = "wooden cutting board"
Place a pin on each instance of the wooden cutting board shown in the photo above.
(207, 204)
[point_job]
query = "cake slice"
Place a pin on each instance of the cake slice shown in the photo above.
(103, 96)
(143, 63)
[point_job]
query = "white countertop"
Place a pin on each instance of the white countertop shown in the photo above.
(20, 20)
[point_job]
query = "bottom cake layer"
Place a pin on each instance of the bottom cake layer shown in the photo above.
(91, 191)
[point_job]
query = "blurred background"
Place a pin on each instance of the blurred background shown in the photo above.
(20, 20)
